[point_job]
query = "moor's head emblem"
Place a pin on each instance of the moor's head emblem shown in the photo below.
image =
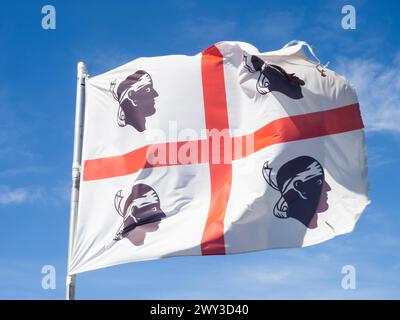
(141, 213)
(273, 78)
(302, 187)
(136, 98)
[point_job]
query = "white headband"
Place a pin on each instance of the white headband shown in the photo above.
(312, 171)
(147, 199)
(143, 81)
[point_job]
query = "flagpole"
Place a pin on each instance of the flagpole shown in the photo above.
(76, 171)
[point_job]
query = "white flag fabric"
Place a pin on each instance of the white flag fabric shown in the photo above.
(227, 151)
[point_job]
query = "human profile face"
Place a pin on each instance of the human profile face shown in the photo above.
(280, 81)
(144, 100)
(311, 189)
(137, 236)
(323, 200)
(312, 199)
(138, 105)
(136, 96)
(274, 78)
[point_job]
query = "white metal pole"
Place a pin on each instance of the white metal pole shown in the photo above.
(76, 171)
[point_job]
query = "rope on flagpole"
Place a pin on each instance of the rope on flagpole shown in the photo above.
(76, 172)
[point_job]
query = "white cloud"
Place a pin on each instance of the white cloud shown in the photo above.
(18, 195)
(378, 89)
(55, 195)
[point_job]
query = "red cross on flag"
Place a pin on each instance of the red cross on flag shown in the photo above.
(227, 151)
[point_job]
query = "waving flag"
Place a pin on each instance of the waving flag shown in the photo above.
(227, 151)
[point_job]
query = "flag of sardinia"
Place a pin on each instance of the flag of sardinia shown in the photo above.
(227, 151)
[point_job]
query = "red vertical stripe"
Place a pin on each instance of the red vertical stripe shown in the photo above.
(216, 117)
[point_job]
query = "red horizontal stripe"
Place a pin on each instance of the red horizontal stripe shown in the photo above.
(282, 130)
(138, 159)
(304, 126)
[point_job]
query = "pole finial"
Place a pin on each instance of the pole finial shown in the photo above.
(82, 70)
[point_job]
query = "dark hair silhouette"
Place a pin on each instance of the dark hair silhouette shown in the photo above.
(141, 207)
(135, 96)
(274, 78)
(301, 183)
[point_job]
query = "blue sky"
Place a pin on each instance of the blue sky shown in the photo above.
(37, 100)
